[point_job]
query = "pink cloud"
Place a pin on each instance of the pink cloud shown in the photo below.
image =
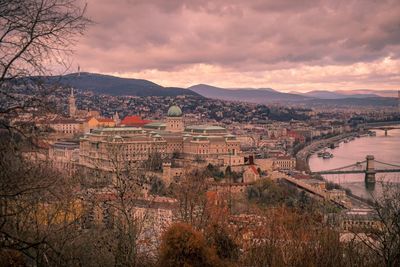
(241, 37)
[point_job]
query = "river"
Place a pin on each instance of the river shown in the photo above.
(384, 148)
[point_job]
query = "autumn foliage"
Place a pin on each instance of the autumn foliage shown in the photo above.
(184, 246)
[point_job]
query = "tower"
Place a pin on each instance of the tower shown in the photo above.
(370, 171)
(116, 118)
(174, 119)
(72, 104)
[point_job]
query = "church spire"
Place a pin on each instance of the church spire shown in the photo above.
(116, 118)
(72, 104)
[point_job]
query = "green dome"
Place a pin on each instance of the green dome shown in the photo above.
(174, 111)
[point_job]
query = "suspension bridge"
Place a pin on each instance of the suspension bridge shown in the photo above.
(370, 167)
(384, 126)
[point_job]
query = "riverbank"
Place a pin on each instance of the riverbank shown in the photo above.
(303, 155)
(383, 147)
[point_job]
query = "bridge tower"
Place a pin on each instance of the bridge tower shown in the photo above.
(370, 171)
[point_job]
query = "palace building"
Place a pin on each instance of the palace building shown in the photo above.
(205, 143)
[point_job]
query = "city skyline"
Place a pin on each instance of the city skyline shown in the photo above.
(309, 45)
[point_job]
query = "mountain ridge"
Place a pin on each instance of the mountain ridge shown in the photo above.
(263, 96)
(112, 85)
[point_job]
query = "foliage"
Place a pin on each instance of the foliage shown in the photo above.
(11, 258)
(232, 176)
(384, 239)
(154, 162)
(268, 192)
(192, 200)
(40, 210)
(281, 237)
(215, 172)
(181, 245)
(226, 248)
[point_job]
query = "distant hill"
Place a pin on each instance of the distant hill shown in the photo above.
(260, 96)
(346, 102)
(381, 93)
(313, 98)
(111, 85)
(337, 94)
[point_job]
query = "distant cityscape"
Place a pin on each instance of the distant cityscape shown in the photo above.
(171, 135)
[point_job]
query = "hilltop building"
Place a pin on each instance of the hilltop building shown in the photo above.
(200, 143)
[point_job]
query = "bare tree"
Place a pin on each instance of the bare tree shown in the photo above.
(36, 202)
(130, 226)
(36, 37)
(282, 237)
(36, 33)
(191, 193)
(383, 236)
(39, 211)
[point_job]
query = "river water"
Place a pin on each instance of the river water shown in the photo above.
(384, 148)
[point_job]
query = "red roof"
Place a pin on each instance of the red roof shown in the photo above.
(134, 121)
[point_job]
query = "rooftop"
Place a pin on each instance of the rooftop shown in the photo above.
(134, 121)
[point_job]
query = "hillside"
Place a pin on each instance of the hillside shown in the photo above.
(346, 102)
(111, 85)
(260, 96)
(337, 94)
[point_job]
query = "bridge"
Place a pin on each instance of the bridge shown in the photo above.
(370, 167)
(384, 126)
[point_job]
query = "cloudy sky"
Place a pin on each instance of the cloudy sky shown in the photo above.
(289, 45)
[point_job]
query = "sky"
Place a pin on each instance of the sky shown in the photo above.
(288, 45)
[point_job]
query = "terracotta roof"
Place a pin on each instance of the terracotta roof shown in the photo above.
(134, 121)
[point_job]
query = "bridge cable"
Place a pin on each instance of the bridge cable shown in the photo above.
(384, 163)
(344, 167)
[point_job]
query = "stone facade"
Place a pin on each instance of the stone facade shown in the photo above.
(199, 143)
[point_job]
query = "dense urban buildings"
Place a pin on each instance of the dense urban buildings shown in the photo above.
(193, 133)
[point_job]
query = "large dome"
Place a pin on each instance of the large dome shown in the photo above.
(174, 111)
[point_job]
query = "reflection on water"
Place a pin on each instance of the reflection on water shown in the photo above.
(384, 148)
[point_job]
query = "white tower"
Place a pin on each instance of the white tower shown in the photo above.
(116, 118)
(72, 104)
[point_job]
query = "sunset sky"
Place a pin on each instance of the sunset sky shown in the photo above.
(297, 45)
